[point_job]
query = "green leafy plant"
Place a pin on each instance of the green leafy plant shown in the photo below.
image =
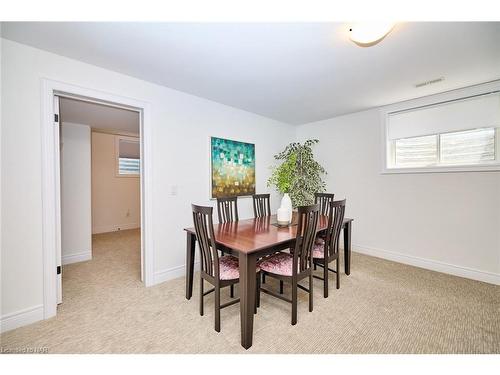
(298, 174)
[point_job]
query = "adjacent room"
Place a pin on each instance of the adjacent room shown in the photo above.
(277, 188)
(99, 173)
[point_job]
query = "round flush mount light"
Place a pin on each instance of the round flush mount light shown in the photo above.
(366, 34)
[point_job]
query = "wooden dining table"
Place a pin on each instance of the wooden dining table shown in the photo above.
(250, 240)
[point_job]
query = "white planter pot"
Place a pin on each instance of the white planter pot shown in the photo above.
(286, 203)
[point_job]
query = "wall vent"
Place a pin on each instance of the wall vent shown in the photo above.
(431, 82)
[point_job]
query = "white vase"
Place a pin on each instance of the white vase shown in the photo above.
(286, 203)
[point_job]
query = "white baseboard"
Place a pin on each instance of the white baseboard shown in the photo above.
(115, 228)
(171, 273)
(21, 318)
(469, 273)
(75, 258)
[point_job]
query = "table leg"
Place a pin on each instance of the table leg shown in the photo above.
(247, 264)
(190, 247)
(347, 248)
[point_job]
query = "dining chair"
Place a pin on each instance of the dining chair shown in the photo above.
(261, 205)
(327, 250)
(227, 209)
(323, 200)
(219, 271)
(261, 208)
(292, 268)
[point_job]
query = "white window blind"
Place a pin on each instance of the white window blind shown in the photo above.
(464, 114)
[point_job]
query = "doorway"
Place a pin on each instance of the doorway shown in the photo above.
(52, 91)
(99, 191)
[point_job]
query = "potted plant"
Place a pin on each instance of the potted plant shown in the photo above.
(298, 176)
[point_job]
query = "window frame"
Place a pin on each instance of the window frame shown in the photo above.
(118, 138)
(387, 153)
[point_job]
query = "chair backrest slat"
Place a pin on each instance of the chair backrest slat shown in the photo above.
(204, 227)
(306, 235)
(323, 200)
(261, 205)
(335, 221)
(227, 209)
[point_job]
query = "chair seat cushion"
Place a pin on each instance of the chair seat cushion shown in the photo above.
(229, 268)
(318, 248)
(318, 251)
(279, 264)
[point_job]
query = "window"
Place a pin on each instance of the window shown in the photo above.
(416, 151)
(459, 134)
(129, 166)
(468, 147)
(128, 156)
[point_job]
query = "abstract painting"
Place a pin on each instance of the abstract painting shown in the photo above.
(233, 168)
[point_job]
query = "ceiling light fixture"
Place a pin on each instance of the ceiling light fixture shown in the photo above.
(366, 34)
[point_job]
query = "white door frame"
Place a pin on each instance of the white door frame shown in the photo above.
(50, 171)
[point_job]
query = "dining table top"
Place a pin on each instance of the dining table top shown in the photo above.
(251, 235)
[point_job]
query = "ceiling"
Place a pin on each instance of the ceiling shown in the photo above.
(99, 116)
(292, 72)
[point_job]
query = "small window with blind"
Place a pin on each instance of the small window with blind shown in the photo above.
(128, 160)
(460, 134)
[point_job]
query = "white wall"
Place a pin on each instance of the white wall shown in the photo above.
(76, 231)
(181, 126)
(444, 221)
(116, 201)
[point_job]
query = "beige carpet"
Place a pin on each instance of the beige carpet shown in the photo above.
(382, 307)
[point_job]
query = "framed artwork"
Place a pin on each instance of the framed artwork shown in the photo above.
(232, 168)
